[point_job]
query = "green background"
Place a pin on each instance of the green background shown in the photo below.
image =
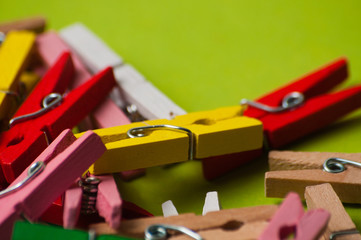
(210, 54)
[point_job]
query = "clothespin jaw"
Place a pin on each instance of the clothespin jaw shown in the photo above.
(27, 138)
(340, 224)
(297, 170)
(196, 135)
(291, 219)
(241, 223)
(59, 167)
(35, 24)
(15, 53)
(313, 110)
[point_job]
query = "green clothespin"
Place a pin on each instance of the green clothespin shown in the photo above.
(30, 231)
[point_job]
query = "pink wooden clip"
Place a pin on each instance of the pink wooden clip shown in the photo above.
(291, 219)
(64, 160)
(50, 47)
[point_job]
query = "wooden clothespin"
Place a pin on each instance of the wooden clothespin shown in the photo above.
(241, 223)
(192, 136)
(32, 126)
(15, 53)
(47, 178)
(290, 219)
(34, 24)
(107, 114)
(45, 232)
(150, 102)
(340, 225)
(294, 171)
(304, 104)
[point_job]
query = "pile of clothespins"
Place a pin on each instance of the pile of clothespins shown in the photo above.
(56, 82)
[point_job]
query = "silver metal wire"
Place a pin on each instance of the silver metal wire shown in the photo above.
(159, 232)
(337, 165)
(33, 171)
(291, 100)
(334, 235)
(141, 132)
(49, 102)
(89, 186)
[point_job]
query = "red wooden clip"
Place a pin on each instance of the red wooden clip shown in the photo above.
(314, 112)
(26, 139)
(291, 219)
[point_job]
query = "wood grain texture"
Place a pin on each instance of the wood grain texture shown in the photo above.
(346, 184)
(290, 160)
(323, 196)
(238, 219)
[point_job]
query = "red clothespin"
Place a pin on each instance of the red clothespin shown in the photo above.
(28, 137)
(305, 105)
(47, 178)
(291, 219)
(107, 114)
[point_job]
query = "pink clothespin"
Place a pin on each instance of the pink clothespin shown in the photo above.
(291, 219)
(50, 47)
(52, 172)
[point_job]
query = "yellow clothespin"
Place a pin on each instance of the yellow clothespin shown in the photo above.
(14, 57)
(191, 136)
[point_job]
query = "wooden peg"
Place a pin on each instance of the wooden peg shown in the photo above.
(34, 24)
(241, 223)
(323, 196)
(159, 147)
(289, 160)
(346, 184)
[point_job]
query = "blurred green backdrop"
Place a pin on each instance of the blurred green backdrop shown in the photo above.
(209, 54)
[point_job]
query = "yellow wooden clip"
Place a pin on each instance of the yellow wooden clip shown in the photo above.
(15, 53)
(191, 136)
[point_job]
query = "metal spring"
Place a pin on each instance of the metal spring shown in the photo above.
(90, 192)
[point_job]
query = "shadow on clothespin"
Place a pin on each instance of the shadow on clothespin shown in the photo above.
(51, 173)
